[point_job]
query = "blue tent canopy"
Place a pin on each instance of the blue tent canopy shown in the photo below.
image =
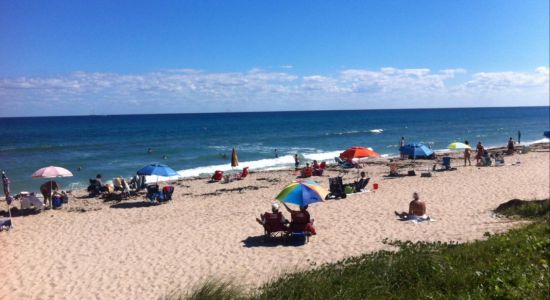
(417, 150)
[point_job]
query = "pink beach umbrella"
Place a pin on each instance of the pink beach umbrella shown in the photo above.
(51, 172)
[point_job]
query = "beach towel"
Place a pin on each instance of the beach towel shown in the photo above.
(417, 219)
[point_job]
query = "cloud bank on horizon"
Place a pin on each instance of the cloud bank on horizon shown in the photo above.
(189, 90)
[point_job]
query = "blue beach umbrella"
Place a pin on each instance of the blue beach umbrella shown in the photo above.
(158, 170)
(302, 193)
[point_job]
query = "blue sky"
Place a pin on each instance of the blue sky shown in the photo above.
(78, 57)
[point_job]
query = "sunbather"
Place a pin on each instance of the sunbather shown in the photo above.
(417, 209)
(300, 220)
(393, 168)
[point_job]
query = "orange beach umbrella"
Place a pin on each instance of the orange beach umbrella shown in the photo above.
(358, 152)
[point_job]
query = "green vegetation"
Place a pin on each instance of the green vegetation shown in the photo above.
(525, 209)
(514, 265)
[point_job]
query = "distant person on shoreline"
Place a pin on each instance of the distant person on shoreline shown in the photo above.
(276, 154)
(401, 145)
(519, 137)
(296, 161)
(467, 154)
(417, 209)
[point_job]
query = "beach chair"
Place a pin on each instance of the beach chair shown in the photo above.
(167, 192)
(218, 175)
(361, 185)
(446, 162)
(153, 193)
(273, 226)
(300, 226)
(336, 188)
(243, 174)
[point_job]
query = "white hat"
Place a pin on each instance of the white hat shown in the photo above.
(274, 206)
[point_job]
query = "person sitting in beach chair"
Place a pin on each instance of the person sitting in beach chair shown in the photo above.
(307, 171)
(336, 188)
(240, 176)
(417, 210)
(274, 222)
(301, 222)
(361, 184)
(217, 176)
(318, 169)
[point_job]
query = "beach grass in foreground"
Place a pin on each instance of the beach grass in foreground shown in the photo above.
(512, 265)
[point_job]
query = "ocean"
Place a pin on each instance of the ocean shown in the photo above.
(198, 144)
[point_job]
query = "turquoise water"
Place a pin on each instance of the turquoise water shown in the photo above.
(196, 143)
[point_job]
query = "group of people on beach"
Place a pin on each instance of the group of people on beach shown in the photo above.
(300, 220)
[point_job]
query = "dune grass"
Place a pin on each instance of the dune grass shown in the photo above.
(513, 265)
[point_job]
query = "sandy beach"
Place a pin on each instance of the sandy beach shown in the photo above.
(128, 250)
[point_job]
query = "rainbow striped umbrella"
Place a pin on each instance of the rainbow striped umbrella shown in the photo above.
(302, 193)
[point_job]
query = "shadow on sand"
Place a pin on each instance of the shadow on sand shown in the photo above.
(133, 204)
(261, 241)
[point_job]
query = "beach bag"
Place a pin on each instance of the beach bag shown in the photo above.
(57, 202)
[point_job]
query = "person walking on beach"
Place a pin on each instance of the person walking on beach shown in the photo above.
(296, 161)
(417, 208)
(401, 145)
(519, 137)
(276, 154)
(467, 154)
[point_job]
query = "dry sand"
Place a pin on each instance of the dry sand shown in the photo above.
(132, 251)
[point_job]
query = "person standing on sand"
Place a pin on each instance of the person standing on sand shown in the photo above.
(417, 208)
(519, 137)
(467, 154)
(479, 154)
(296, 161)
(401, 145)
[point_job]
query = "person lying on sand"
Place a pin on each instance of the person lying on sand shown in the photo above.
(300, 220)
(417, 209)
(275, 213)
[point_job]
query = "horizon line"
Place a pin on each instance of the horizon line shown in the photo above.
(266, 111)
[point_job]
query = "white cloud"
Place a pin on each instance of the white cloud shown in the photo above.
(188, 90)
